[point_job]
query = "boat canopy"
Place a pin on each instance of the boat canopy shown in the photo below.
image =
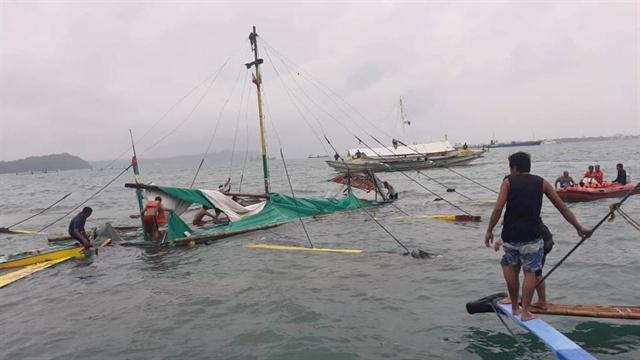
(429, 149)
(277, 209)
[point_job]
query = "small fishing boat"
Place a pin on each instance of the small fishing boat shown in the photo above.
(406, 158)
(496, 144)
(578, 193)
(41, 255)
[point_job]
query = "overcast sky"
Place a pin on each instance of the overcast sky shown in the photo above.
(74, 77)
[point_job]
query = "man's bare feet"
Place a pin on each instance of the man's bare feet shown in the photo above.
(515, 310)
(526, 316)
(506, 300)
(540, 305)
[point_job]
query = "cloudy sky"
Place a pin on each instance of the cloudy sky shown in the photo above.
(76, 76)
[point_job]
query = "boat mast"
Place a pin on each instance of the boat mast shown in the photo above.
(136, 172)
(257, 79)
(403, 118)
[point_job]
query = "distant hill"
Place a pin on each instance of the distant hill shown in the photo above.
(52, 162)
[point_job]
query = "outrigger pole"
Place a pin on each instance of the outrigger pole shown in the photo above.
(136, 172)
(257, 79)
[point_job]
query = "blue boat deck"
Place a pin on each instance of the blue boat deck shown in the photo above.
(562, 346)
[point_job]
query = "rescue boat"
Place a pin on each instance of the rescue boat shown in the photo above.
(585, 193)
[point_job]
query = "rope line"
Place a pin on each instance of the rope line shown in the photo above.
(87, 200)
(215, 128)
(39, 213)
(609, 214)
(417, 182)
(286, 171)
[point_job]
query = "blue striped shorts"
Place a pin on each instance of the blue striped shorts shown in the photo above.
(530, 255)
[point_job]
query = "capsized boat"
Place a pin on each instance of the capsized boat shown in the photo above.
(266, 210)
(272, 210)
(41, 255)
(578, 193)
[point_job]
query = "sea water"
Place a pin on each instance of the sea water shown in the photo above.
(224, 301)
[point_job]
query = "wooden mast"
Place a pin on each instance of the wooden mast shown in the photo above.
(257, 79)
(136, 172)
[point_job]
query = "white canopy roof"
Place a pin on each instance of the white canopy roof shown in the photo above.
(430, 148)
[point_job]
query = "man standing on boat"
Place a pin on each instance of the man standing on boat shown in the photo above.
(150, 214)
(522, 192)
(76, 227)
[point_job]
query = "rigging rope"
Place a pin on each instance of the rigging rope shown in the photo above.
(418, 171)
(87, 200)
(284, 163)
(215, 129)
(417, 182)
(517, 339)
(616, 207)
(235, 133)
(293, 99)
(352, 120)
(609, 214)
(45, 209)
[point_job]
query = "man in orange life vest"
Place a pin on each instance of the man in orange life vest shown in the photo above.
(154, 214)
(598, 175)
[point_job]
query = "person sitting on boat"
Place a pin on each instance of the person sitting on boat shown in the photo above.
(598, 175)
(522, 194)
(336, 157)
(391, 192)
(358, 154)
(588, 177)
(76, 227)
(150, 215)
(465, 146)
(202, 212)
(564, 180)
(226, 187)
(622, 175)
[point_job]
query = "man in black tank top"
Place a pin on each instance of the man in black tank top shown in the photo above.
(521, 192)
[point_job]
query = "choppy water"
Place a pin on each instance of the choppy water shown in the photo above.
(228, 302)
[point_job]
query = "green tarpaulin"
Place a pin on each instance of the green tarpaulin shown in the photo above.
(279, 209)
(188, 195)
(177, 227)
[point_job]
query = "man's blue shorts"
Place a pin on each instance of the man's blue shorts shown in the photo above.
(529, 254)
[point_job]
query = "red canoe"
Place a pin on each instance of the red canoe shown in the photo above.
(579, 193)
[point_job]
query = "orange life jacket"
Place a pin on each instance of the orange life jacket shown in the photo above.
(152, 208)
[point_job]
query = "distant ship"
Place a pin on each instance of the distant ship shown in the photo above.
(318, 156)
(496, 144)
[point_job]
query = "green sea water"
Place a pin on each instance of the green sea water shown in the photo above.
(224, 301)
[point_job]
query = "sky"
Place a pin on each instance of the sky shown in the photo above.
(76, 76)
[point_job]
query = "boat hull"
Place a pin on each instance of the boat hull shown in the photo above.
(408, 164)
(42, 255)
(579, 194)
(515, 143)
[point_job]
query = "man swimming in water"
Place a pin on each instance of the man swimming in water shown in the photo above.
(564, 180)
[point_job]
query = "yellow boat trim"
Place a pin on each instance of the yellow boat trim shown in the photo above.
(301, 248)
(14, 276)
(47, 255)
(444, 217)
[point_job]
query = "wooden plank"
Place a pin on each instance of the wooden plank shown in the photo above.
(561, 345)
(596, 311)
(14, 276)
